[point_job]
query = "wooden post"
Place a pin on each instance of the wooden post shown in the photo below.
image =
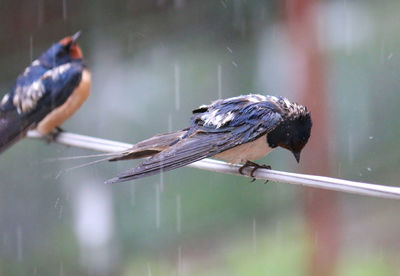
(321, 207)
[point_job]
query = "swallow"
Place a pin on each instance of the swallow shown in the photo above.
(239, 130)
(46, 94)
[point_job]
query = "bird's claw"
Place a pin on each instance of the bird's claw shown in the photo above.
(52, 136)
(255, 167)
(59, 129)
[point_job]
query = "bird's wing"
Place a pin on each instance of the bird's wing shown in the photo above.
(31, 100)
(12, 128)
(204, 141)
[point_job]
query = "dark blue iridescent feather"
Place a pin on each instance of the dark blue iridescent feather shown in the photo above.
(220, 127)
(45, 85)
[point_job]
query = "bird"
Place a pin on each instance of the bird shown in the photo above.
(49, 91)
(239, 130)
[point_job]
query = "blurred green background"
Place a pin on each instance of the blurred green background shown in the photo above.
(152, 62)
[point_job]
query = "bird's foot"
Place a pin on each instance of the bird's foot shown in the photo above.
(52, 136)
(59, 129)
(255, 167)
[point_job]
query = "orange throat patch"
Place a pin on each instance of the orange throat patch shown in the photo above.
(66, 110)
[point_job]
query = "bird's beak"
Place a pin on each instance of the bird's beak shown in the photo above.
(76, 36)
(297, 155)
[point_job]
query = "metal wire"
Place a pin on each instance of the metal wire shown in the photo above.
(323, 182)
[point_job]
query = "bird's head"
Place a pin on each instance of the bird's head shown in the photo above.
(293, 132)
(64, 51)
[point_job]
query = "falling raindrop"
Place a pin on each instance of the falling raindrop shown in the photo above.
(19, 242)
(219, 77)
(229, 49)
(371, 137)
(369, 169)
(223, 4)
(56, 204)
(177, 86)
(60, 213)
(31, 48)
(179, 260)
(148, 269)
(254, 235)
(278, 233)
(234, 64)
(390, 56)
(161, 181)
(60, 172)
(157, 205)
(61, 269)
(65, 10)
(262, 14)
(178, 214)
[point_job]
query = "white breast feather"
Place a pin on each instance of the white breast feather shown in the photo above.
(251, 151)
(66, 110)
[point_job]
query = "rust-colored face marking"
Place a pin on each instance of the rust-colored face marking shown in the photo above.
(75, 50)
(66, 40)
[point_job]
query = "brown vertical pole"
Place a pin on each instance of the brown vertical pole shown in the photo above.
(321, 207)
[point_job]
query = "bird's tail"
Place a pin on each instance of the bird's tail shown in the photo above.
(142, 149)
(12, 129)
(150, 146)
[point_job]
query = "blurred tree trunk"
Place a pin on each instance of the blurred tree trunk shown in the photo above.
(321, 206)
